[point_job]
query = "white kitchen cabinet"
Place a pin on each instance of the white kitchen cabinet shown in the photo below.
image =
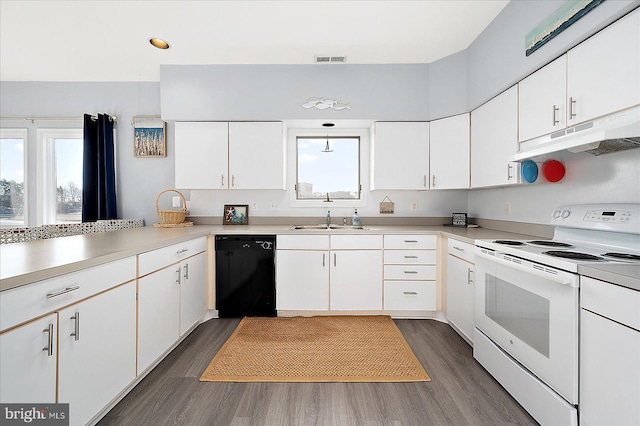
(28, 362)
(494, 141)
(460, 287)
(449, 152)
(356, 280)
(193, 291)
(542, 101)
(400, 155)
(302, 280)
(603, 71)
(201, 155)
(222, 155)
(96, 351)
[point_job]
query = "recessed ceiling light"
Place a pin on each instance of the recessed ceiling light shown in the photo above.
(159, 43)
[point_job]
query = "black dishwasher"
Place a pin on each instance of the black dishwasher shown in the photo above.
(245, 275)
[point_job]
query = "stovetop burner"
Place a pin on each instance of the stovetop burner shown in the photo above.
(509, 242)
(549, 243)
(572, 255)
(625, 256)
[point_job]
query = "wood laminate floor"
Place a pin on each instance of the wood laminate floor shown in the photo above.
(461, 392)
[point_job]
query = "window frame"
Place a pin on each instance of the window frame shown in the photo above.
(20, 133)
(363, 165)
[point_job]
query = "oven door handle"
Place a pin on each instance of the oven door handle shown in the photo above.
(560, 279)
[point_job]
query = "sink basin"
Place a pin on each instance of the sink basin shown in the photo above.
(325, 227)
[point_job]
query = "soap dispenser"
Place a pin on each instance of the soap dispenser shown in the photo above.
(355, 220)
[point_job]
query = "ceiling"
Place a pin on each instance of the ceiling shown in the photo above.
(108, 40)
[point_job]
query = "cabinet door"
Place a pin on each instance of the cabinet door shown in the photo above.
(193, 291)
(602, 72)
(256, 155)
(302, 280)
(494, 141)
(542, 101)
(97, 351)
(400, 155)
(158, 314)
(202, 155)
(27, 371)
(356, 280)
(449, 152)
(460, 295)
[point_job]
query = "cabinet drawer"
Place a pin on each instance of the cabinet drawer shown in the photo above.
(461, 249)
(410, 257)
(409, 272)
(356, 242)
(157, 259)
(410, 241)
(410, 295)
(302, 242)
(612, 301)
(21, 304)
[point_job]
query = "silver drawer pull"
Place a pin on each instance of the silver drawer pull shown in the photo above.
(184, 250)
(410, 272)
(76, 331)
(458, 248)
(410, 241)
(186, 271)
(49, 347)
(411, 257)
(410, 293)
(61, 292)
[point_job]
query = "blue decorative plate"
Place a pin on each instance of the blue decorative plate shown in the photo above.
(529, 171)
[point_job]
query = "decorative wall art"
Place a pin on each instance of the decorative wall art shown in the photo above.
(321, 103)
(236, 214)
(561, 19)
(149, 137)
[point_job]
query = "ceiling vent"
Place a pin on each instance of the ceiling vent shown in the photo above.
(330, 59)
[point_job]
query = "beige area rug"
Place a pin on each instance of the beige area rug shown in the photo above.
(316, 349)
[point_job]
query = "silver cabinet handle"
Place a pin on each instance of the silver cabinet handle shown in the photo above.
(424, 183)
(222, 180)
(61, 292)
(470, 272)
(411, 293)
(410, 241)
(410, 272)
(411, 257)
(76, 327)
(334, 260)
(49, 347)
(433, 181)
(178, 275)
(233, 180)
(323, 259)
(571, 103)
(186, 271)
(509, 167)
(458, 248)
(184, 250)
(553, 117)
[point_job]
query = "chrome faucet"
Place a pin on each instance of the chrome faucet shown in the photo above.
(328, 217)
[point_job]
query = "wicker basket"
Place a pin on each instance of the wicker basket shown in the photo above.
(171, 217)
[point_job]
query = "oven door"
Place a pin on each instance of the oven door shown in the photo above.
(531, 312)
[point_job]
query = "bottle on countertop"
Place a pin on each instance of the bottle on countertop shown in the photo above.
(355, 220)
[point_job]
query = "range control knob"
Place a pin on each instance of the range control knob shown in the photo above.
(556, 214)
(566, 213)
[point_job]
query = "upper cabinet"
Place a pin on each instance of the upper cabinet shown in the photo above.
(221, 155)
(449, 152)
(494, 141)
(596, 78)
(400, 155)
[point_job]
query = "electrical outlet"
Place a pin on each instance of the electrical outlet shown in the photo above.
(176, 201)
(254, 205)
(413, 207)
(507, 207)
(274, 205)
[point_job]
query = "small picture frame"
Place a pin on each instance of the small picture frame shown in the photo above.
(235, 214)
(149, 137)
(459, 219)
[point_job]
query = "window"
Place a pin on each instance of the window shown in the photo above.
(328, 166)
(13, 196)
(61, 175)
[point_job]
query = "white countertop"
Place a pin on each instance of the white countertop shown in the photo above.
(28, 262)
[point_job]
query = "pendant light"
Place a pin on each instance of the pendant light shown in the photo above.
(327, 148)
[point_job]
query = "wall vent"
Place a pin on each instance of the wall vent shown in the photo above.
(330, 59)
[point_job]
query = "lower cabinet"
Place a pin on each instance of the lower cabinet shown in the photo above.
(460, 287)
(193, 291)
(356, 280)
(302, 280)
(28, 362)
(96, 351)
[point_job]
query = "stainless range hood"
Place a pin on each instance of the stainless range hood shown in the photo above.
(612, 133)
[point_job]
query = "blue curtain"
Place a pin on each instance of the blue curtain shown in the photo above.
(98, 170)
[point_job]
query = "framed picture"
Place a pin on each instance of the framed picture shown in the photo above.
(235, 214)
(149, 138)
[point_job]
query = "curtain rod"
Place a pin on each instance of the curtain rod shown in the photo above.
(33, 119)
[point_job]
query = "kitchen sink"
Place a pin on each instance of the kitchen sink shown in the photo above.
(328, 227)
